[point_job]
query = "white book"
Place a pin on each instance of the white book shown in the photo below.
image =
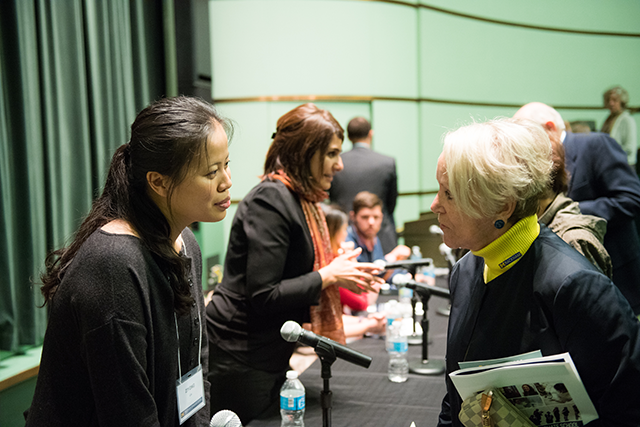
(546, 389)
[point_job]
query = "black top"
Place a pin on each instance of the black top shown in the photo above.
(555, 301)
(110, 351)
(268, 279)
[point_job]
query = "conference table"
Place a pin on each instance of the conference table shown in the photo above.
(366, 397)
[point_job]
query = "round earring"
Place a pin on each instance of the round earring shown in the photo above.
(498, 224)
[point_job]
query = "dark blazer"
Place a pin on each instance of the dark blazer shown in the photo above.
(605, 185)
(366, 170)
(552, 300)
(268, 279)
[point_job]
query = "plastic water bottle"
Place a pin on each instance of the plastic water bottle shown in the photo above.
(392, 312)
(406, 310)
(416, 254)
(405, 294)
(292, 401)
(429, 273)
(398, 365)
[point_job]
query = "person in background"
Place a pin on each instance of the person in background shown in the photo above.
(604, 185)
(562, 215)
(354, 326)
(366, 221)
(125, 297)
(280, 267)
(620, 125)
(367, 170)
(550, 298)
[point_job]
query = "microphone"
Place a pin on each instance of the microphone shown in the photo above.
(400, 280)
(434, 229)
(293, 332)
(407, 263)
(446, 252)
(225, 418)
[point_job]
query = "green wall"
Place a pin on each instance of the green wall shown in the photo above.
(417, 69)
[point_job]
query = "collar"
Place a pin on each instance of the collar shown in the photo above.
(353, 232)
(361, 145)
(563, 135)
(504, 252)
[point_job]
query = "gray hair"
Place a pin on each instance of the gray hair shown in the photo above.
(493, 163)
(623, 95)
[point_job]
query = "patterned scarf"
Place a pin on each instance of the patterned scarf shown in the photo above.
(326, 317)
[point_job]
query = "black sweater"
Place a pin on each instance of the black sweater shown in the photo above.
(555, 301)
(110, 350)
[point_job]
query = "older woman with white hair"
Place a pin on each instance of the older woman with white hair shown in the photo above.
(522, 288)
(619, 124)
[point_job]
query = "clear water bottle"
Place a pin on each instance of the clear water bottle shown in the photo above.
(392, 312)
(398, 365)
(406, 310)
(429, 273)
(292, 401)
(416, 254)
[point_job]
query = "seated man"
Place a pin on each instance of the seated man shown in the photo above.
(366, 220)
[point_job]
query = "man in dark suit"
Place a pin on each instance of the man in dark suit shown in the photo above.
(366, 170)
(604, 185)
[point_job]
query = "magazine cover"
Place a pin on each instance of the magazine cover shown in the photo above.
(547, 390)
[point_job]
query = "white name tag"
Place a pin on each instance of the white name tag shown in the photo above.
(190, 392)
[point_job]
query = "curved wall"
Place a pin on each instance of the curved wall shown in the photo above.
(416, 69)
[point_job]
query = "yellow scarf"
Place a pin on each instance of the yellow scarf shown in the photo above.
(505, 252)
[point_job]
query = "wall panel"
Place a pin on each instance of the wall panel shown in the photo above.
(589, 15)
(473, 61)
(264, 48)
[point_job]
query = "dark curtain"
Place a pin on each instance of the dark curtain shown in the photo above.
(73, 75)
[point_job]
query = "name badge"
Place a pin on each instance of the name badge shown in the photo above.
(190, 392)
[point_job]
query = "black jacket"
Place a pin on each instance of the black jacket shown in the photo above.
(604, 185)
(555, 301)
(268, 279)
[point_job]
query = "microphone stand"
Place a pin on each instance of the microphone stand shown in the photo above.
(425, 366)
(414, 338)
(327, 356)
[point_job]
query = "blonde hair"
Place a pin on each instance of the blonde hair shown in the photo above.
(490, 164)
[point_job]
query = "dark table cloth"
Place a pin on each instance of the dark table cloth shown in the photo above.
(366, 397)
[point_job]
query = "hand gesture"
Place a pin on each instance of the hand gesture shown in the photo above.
(350, 274)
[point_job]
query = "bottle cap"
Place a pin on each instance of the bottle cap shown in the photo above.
(292, 375)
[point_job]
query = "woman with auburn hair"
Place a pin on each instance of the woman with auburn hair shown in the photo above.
(280, 267)
(125, 297)
(522, 288)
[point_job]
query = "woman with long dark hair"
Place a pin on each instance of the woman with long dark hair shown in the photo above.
(280, 267)
(125, 329)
